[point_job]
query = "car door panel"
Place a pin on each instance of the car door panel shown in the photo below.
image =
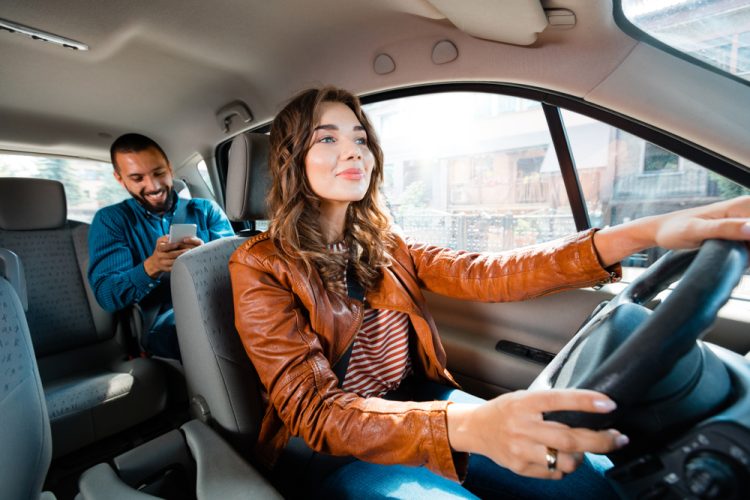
(470, 332)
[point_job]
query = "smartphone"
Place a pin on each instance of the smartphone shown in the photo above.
(177, 232)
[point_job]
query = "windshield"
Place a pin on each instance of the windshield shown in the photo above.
(716, 32)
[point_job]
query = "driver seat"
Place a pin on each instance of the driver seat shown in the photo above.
(222, 383)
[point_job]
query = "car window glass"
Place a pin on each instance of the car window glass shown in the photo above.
(89, 185)
(203, 170)
(632, 178)
(471, 171)
(716, 32)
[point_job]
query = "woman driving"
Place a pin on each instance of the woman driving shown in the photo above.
(329, 307)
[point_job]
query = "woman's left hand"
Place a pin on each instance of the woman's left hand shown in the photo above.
(726, 220)
(729, 220)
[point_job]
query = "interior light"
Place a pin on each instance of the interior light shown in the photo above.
(41, 35)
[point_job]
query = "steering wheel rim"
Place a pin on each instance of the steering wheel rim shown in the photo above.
(651, 350)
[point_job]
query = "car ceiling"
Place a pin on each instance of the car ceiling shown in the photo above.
(164, 68)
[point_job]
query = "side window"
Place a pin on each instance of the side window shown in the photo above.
(203, 170)
(636, 178)
(89, 185)
(471, 171)
(478, 172)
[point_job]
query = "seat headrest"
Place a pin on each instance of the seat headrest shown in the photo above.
(181, 188)
(29, 204)
(11, 269)
(248, 177)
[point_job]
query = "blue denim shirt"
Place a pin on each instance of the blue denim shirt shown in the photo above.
(123, 235)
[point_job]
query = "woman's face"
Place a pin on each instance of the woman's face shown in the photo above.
(339, 163)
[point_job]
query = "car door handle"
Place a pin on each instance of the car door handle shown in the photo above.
(523, 351)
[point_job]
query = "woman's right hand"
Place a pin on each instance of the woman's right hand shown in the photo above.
(511, 430)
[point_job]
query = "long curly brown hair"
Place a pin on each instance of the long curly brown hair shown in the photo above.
(294, 207)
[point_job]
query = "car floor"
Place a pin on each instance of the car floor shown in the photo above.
(62, 478)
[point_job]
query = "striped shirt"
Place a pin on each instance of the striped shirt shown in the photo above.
(380, 353)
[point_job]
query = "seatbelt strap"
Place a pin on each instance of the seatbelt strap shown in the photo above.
(180, 212)
(355, 291)
(150, 313)
(144, 316)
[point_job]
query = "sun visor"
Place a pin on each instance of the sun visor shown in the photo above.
(516, 22)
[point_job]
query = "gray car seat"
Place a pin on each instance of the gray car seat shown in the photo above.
(221, 380)
(216, 469)
(26, 443)
(92, 390)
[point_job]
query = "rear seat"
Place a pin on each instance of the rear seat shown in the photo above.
(24, 433)
(91, 388)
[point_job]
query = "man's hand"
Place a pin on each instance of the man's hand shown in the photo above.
(165, 253)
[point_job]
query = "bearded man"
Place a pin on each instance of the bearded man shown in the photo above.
(129, 248)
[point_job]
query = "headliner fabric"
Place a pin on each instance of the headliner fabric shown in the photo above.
(31, 204)
(248, 177)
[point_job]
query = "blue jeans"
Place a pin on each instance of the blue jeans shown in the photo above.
(161, 339)
(320, 476)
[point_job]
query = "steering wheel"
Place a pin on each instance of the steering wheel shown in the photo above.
(638, 356)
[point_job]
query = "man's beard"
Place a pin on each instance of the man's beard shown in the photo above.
(158, 207)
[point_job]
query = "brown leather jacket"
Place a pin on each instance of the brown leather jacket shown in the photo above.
(294, 330)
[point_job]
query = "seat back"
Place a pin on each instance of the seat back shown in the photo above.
(91, 391)
(61, 312)
(25, 435)
(221, 380)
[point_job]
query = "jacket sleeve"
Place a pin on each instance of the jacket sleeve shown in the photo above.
(115, 277)
(303, 389)
(515, 275)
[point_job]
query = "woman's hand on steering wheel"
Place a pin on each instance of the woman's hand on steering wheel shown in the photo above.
(511, 430)
(726, 220)
(683, 229)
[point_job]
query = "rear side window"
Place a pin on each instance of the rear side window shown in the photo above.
(89, 185)
(205, 175)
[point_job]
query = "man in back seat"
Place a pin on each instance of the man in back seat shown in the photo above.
(130, 252)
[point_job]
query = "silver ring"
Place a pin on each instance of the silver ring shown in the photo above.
(551, 457)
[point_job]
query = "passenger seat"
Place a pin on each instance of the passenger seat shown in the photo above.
(92, 389)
